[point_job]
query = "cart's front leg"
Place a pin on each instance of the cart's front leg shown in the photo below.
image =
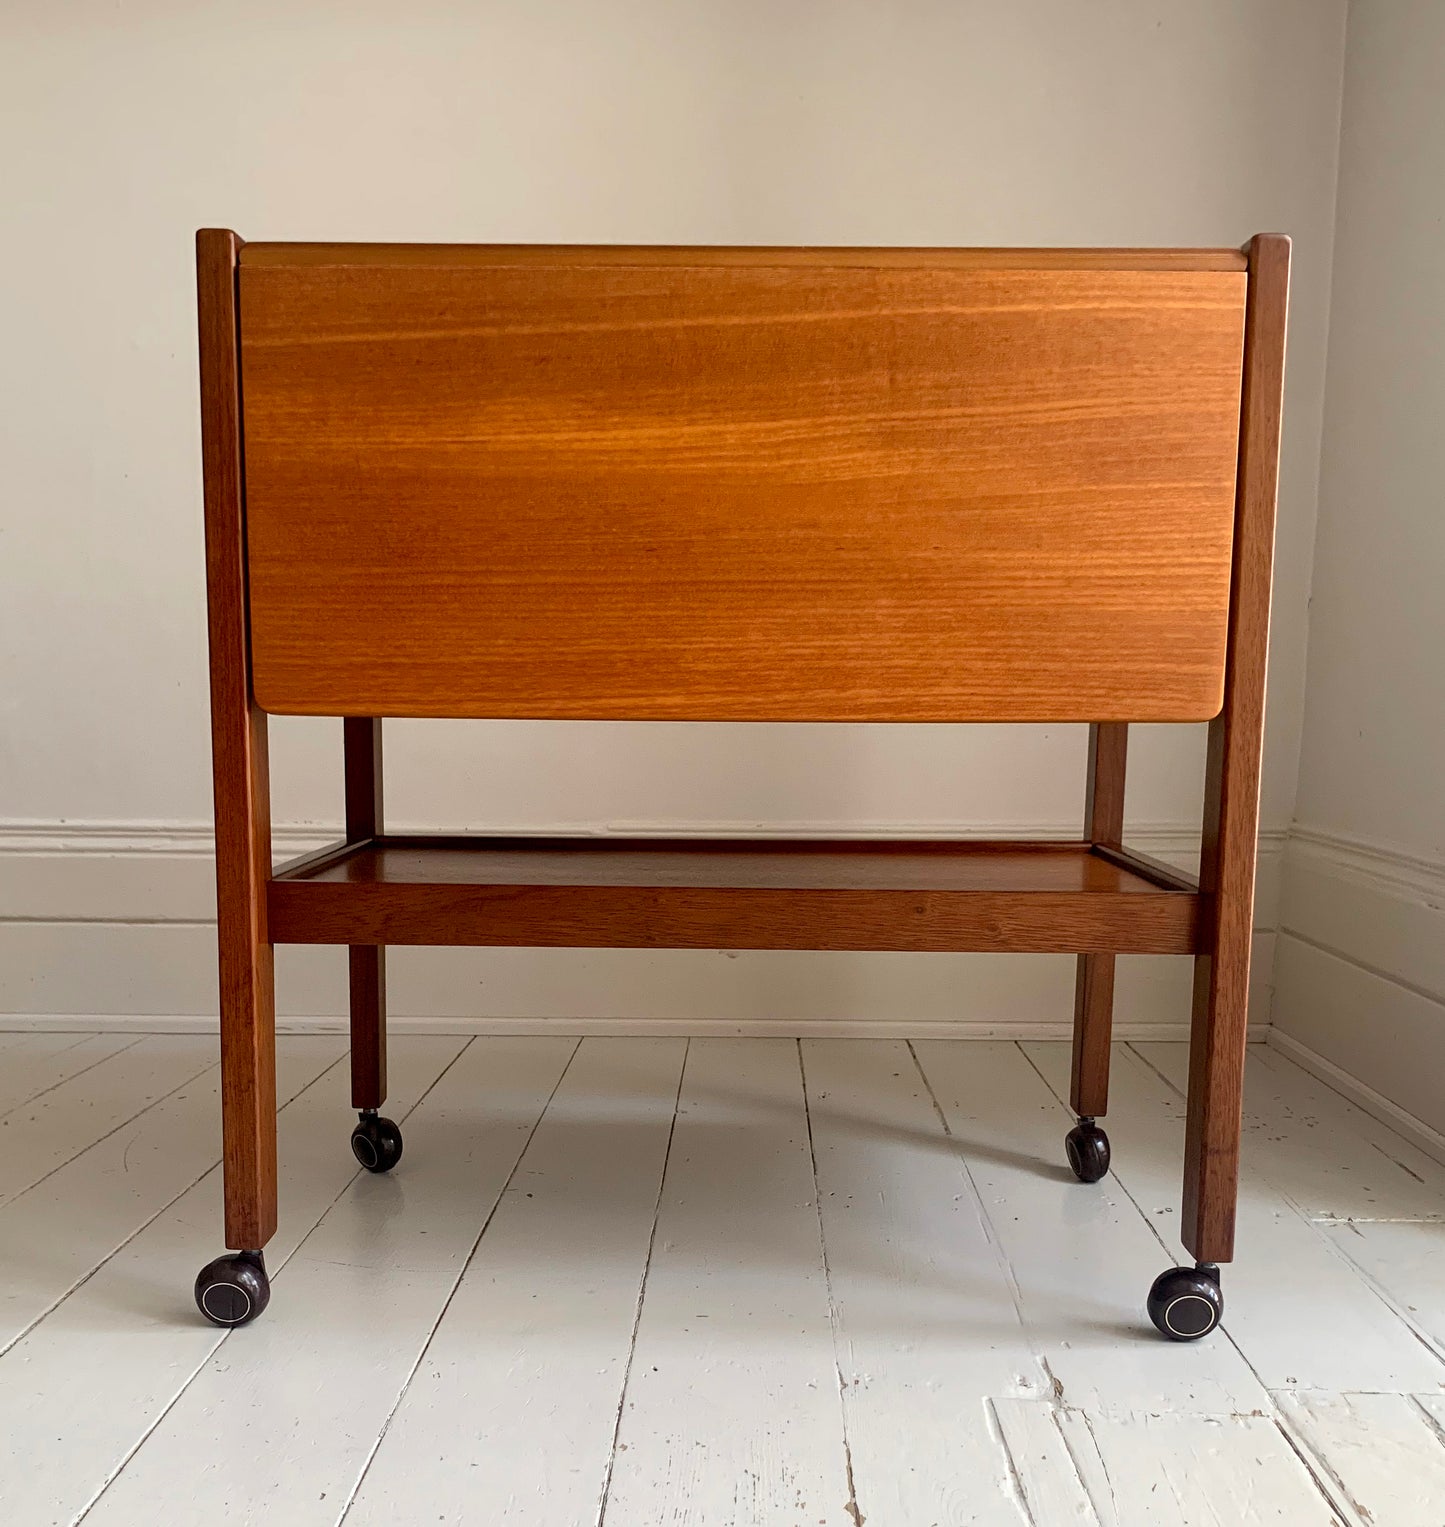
(1186, 1302)
(234, 1289)
(248, 1093)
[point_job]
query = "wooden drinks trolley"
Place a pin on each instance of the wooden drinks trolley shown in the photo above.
(738, 485)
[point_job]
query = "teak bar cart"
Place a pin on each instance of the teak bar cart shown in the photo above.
(941, 485)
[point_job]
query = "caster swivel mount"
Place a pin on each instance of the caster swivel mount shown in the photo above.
(1087, 1147)
(376, 1142)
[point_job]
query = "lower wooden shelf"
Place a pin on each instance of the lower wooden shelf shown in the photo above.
(688, 893)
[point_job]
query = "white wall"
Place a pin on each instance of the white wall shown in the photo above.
(816, 121)
(1362, 961)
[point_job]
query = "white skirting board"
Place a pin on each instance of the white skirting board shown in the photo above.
(1360, 970)
(152, 971)
(618, 1028)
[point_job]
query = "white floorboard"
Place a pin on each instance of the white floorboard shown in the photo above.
(1375, 1198)
(714, 1282)
(533, 1347)
(31, 1064)
(58, 1124)
(1046, 1478)
(1278, 1251)
(1082, 1257)
(1332, 1159)
(1381, 1453)
(85, 1387)
(731, 1412)
(1405, 1262)
(1194, 1471)
(925, 1322)
(310, 1390)
(54, 1235)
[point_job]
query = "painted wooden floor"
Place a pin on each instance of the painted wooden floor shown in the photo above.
(656, 1282)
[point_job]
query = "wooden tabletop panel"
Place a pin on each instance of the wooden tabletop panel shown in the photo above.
(545, 483)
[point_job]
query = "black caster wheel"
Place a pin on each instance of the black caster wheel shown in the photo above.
(1186, 1303)
(376, 1142)
(233, 1289)
(1087, 1147)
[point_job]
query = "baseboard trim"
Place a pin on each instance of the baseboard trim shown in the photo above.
(21, 836)
(1361, 1094)
(1370, 861)
(618, 1028)
(1380, 910)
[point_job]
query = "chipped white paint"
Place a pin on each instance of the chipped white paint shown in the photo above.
(1332, 1159)
(1081, 1255)
(1154, 1470)
(731, 1413)
(1406, 1263)
(1374, 1196)
(1381, 1455)
(924, 1315)
(1361, 1094)
(1433, 1406)
(1046, 1477)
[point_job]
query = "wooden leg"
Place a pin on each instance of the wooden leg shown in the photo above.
(1231, 807)
(242, 802)
(1220, 1025)
(1093, 1025)
(361, 745)
(1094, 984)
(1216, 1091)
(368, 1026)
(248, 1027)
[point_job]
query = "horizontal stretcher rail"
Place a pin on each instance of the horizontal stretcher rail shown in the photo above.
(1021, 897)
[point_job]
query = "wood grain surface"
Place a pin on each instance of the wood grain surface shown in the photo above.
(686, 894)
(1094, 979)
(877, 485)
(240, 773)
(366, 963)
(1231, 804)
